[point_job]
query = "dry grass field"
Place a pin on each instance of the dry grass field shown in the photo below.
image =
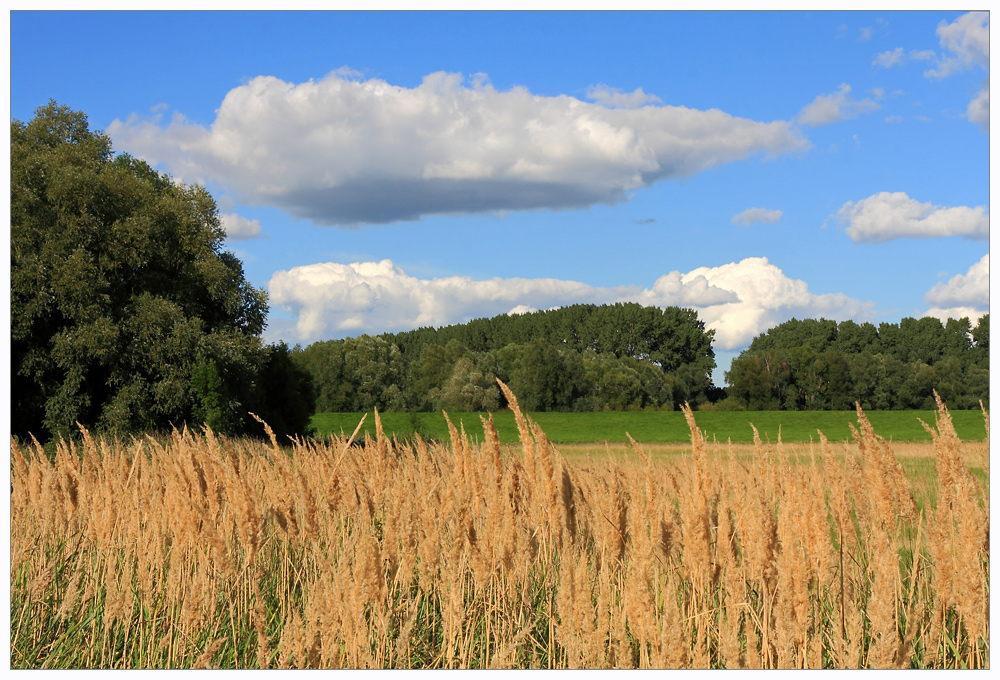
(200, 551)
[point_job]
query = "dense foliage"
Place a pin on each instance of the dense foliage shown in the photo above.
(820, 364)
(581, 357)
(126, 313)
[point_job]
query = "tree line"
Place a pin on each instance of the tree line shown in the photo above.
(578, 358)
(820, 364)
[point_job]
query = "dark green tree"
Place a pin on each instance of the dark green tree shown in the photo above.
(977, 383)
(285, 396)
(761, 380)
(924, 340)
(611, 384)
(212, 404)
(822, 380)
(917, 391)
(547, 379)
(897, 366)
(979, 354)
(981, 334)
(817, 334)
(876, 379)
(126, 312)
(957, 338)
(374, 368)
(435, 366)
(854, 338)
(472, 386)
(324, 362)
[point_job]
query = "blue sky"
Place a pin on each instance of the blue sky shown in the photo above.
(382, 171)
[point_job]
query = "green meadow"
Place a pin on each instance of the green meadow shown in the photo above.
(661, 426)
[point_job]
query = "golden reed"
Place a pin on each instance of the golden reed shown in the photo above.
(201, 551)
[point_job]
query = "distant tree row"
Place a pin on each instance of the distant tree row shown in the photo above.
(581, 358)
(820, 364)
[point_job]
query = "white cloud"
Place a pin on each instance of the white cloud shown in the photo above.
(967, 43)
(893, 119)
(766, 298)
(614, 98)
(239, 228)
(330, 298)
(739, 300)
(754, 215)
(832, 108)
(963, 295)
(886, 216)
(345, 151)
(972, 313)
(979, 108)
(889, 58)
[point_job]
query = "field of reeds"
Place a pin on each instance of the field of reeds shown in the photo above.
(200, 551)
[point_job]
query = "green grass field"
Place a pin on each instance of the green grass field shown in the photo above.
(662, 426)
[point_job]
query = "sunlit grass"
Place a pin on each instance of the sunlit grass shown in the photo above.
(664, 426)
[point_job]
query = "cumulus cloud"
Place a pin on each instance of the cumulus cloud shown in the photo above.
(889, 58)
(754, 215)
(833, 108)
(345, 151)
(963, 295)
(967, 40)
(967, 44)
(330, 298)
(943, 315)
(739, 300)
(766, 298)
(979, 108)
(886, 216)
(239, 228)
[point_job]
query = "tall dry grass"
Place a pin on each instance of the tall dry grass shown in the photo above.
(201, 551)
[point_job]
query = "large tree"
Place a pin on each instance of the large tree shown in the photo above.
(126, 312)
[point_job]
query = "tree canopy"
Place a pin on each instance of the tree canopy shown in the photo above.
(820, 364)
(580, 357)
(126, 312)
